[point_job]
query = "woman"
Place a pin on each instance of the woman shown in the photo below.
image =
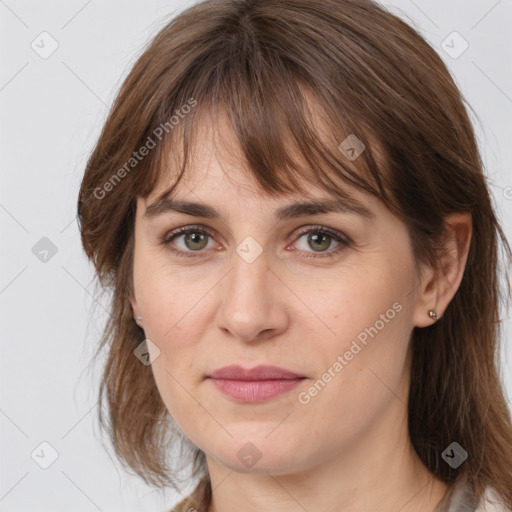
(288, 204)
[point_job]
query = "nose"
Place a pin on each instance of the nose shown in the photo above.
(252, 306)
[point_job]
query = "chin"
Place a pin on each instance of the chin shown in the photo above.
(259, 456)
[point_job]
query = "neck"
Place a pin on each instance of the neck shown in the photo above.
(365, 478)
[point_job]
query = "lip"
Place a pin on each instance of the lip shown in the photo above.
(256, 384)
(261, 372)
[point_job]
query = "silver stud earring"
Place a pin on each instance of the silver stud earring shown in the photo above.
(432, 314)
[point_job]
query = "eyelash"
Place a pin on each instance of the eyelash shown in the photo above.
(317, 230)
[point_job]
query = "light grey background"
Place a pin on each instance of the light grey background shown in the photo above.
(52, 110)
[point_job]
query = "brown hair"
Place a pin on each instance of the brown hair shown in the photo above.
(264, 63)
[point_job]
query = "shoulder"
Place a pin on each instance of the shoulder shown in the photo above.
(491, 502)
(199, 499)
(185, 506)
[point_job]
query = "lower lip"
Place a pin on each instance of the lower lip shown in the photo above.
(255, 390)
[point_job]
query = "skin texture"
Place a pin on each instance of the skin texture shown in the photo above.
(348, 447)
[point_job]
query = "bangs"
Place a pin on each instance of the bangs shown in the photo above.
(287, 137)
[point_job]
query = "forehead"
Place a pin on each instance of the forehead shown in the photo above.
(222, 192)
(214, 158)
(217, 172)
(214, 187)
(215, 162)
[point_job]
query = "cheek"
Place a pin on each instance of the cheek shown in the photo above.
(367, 324)
(170, 300)
(361, 366)
(358, 299)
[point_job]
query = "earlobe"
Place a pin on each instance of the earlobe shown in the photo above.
(427, 297)
(135, 311)
(441, 285)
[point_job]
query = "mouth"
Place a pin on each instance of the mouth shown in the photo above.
(254, 385)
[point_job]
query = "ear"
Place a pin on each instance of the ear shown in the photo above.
(437, 288)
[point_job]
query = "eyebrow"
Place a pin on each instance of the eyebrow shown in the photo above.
(300, 209)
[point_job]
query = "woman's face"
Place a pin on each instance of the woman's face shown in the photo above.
(261, 289)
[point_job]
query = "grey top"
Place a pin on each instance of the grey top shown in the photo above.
(461, 499)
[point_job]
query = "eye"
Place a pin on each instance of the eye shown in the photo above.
(195, 239)
(320, 237)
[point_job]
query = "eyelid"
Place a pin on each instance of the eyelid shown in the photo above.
(344, 240)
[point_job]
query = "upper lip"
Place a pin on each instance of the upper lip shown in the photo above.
(262, 372)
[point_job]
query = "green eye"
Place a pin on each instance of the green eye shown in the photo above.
(195, 239)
